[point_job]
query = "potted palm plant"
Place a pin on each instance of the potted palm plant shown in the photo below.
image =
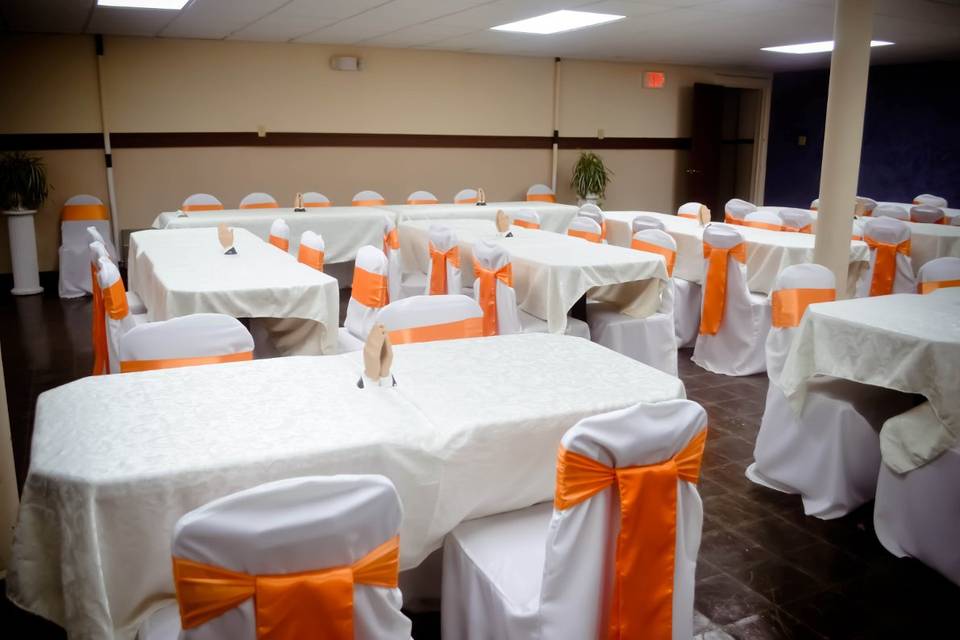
(590, 178)
(23, 190)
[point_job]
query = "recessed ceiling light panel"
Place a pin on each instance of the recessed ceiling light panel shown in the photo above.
(816, 47)
(172, 5)
(558, 22)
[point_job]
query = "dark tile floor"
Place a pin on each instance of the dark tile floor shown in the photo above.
(765, 569)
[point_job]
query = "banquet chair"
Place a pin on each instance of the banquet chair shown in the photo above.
(586, 228)
(866, 205)
(917, 512)
(644, 223)
(443, 271)
(687, 300)
(733, 321)
(830, 452)
(367, 296)
(651, 340)
(526, 218)
(258, 200)
(890, 269)
(541, 193)
(79, 213)
(368, 198)
(422, 197)
(931, 200)
(891, 211)
(856, 228)
(939, 273)
(927, 214)
(492, 264)
(690, 210)
(280, 235)
(466, 196)
(100, 251)
(311, 250)
(796, 220)
(201, 202)
(391, 249)
(616, 550)
(314, 200)
(231, 557)
(185, 341)
(769, 220)
(815, 204)
(955, 221)
(594, 212)
(735, 210)
(430, 318)
(116, 313)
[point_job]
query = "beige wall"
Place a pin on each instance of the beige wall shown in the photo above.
(161, 85)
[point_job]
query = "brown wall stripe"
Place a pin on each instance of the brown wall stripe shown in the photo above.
(44, 141)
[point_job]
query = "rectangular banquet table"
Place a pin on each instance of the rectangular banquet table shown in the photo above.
(551, 271)
(344, 229)
(906, 342)
(472, 429)
(553, 216)
(182, 271)
(768, 252)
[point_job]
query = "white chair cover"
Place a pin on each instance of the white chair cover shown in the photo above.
(98, 250)
(955, 221)
(120, 321)
(737, 349)
(311, 242)
(690, 210)
(74, 277)
(466, 196)
(796, 220)
(422, 197)
(424, 312)
(770, 220)
(939, 273)
(686, 311)
(931, 200)
(651, 340)
(541, 193)
(586, 228)
(642, 223)
(546, 573)
(927, 214)
(194, 336)
(292, 526)
(314, 199)
(815, 204)
(391, 249)
(362, 309)
(258, 200)
(917, 513)
(367, 198)
(494, 257)
(891, 211)
(867, 204)
(280, 234)
(528, 218)
(443, 239)
(887, 230)
(201, 202)
(735, 210)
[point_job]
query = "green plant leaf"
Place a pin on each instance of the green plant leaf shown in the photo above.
(23, 181)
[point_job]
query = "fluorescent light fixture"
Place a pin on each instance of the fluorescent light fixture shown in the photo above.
(558, 21)
(173, 5)
(816, 47)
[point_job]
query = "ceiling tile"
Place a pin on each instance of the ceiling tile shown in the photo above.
(52, 16)
(129, 22)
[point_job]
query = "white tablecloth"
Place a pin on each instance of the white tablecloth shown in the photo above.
(553, 216)
(551, 271)
(471, 429)
(344, 229)
(182, 271)
(906, 342)
(768, 252)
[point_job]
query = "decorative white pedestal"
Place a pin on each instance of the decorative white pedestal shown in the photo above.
(23, 252)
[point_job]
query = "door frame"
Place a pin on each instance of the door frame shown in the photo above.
(764, 84)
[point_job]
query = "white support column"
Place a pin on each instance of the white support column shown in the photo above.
(9, 500)
(843, 135)
(556, 123)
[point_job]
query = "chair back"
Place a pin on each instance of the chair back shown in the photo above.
(83, 208)
(526, 218)
(890, 270)
(117, 318)
(391, 249)
(80, 213)
(866, 205)
(927, 214)
(315, 199)
(891, 211)
(591, 210)
(939, 273)
(98, 322)
(493, 289)
(443, 272)
(347, 523)
(201, 202)
(280, 234)
(796, 287)
(466, 196)
(258, 200)
(541, 193)
(931, 200)
(769, 220)
(815, 204)
(311, 250)
(369, 293)
(622, 545)
(586, 228)
(797, 220)
(367, 198)
(735, 210)
(643, 223)
(690, 210)
(186, 341)
(422, 197)
(725, 290)
(955, 221)
(661, 243)
(429, 318)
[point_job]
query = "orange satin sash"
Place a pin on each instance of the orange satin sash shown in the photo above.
(586, 235)
(932, 285)
(526, 224)
(691, 216)
(789, 304)
(73, 212)
(942, 220)
(369, 203)
(641, 605)
(885, 264)
(127, 366)
(806, 229)
(438, 268)
(259, 205)
(369, 289)
(424, 201)
(280, 243)
(313, 205)
(201, 207)
(668, 255)
(488, 292)
(756, 224)
(541, 197)
(115, 301)
(715, 285)
(101, 353)
(309, 604)
(467, 328)
(310, 257)
(391, 241)
(466, 201)
(729, 219)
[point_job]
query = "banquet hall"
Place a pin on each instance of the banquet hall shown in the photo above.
(479, 319)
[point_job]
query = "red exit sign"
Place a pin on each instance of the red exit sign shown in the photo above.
(654, 79)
